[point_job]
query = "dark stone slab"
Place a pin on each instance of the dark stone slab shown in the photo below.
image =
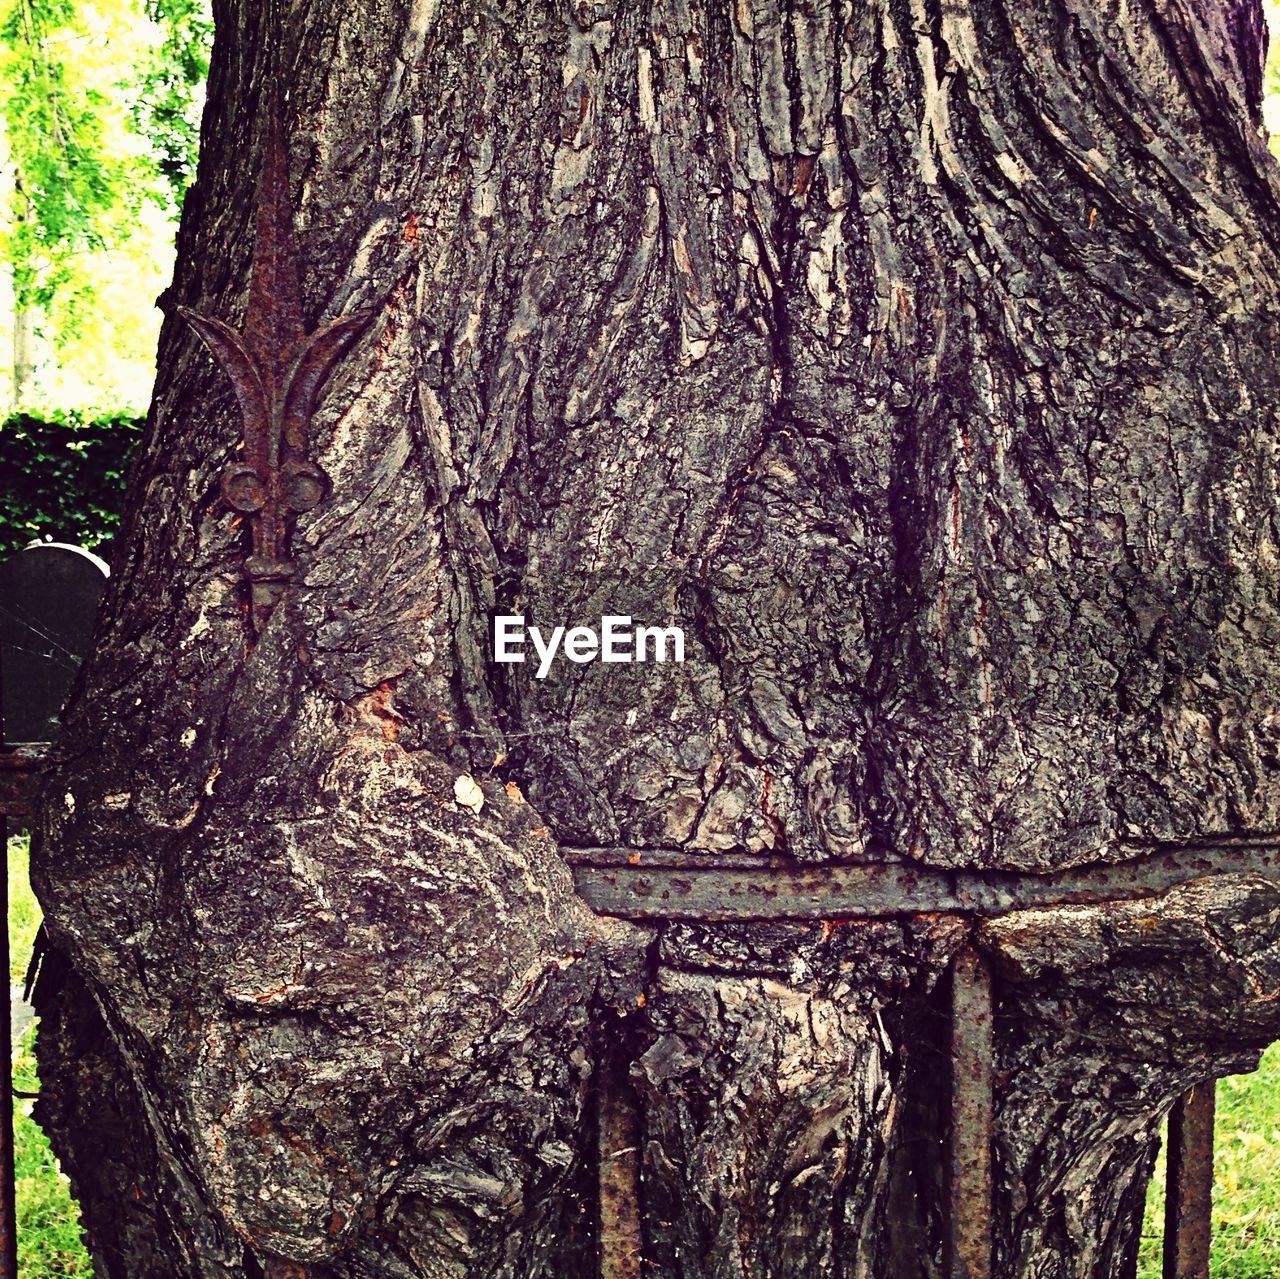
(49, 597)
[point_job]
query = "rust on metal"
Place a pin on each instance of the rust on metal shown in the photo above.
(1188, 1204)
(20, 768)
(277, 370)
(667, 884)
(8, 1205)
(277, 1269)
(969, 1163)
(620, 1235)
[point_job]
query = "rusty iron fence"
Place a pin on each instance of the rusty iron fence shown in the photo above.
(677, 886)
(742, 889)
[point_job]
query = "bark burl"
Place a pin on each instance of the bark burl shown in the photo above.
(917, 358)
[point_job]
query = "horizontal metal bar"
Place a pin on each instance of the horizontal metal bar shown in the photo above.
(682, 884)
(651, 886)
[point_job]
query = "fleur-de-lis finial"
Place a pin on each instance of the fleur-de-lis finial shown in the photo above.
(277, 370)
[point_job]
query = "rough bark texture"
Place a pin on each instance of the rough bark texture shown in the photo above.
(918, 359)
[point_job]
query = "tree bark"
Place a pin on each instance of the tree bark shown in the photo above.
(23, 357)
(917, 359)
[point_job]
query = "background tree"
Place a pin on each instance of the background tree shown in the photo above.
(171, 90)
(918, 359)
(100, 117)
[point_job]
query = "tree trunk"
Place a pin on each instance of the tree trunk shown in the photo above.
(23, 357)
(915, 358)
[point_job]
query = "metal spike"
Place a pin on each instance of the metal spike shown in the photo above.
(277, 370)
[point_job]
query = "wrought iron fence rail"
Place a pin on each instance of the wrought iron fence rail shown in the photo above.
(676, 884)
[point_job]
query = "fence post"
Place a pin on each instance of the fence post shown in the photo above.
(968, 1227)
(618, 1128)
(1188, 1201)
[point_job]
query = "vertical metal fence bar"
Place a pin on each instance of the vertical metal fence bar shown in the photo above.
(8, 1206)
(1188, 1202)
(621, 1233)
(968, 1226)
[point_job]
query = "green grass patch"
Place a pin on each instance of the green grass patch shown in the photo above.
(1246, 1180)
(24, 910)
(49, 1239)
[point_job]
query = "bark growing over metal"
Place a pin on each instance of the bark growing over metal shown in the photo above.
(277, 370)
(918, 359)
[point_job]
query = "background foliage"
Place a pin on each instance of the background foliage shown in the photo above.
(99, 120)
(64, 478)
(166, 110)
(100, 105)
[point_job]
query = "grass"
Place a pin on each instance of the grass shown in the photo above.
(1246, 1196)
(1246, 1180)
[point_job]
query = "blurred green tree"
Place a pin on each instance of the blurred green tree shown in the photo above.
(99, 107)
(167, 109)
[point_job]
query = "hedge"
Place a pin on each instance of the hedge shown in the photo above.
(62, 478)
